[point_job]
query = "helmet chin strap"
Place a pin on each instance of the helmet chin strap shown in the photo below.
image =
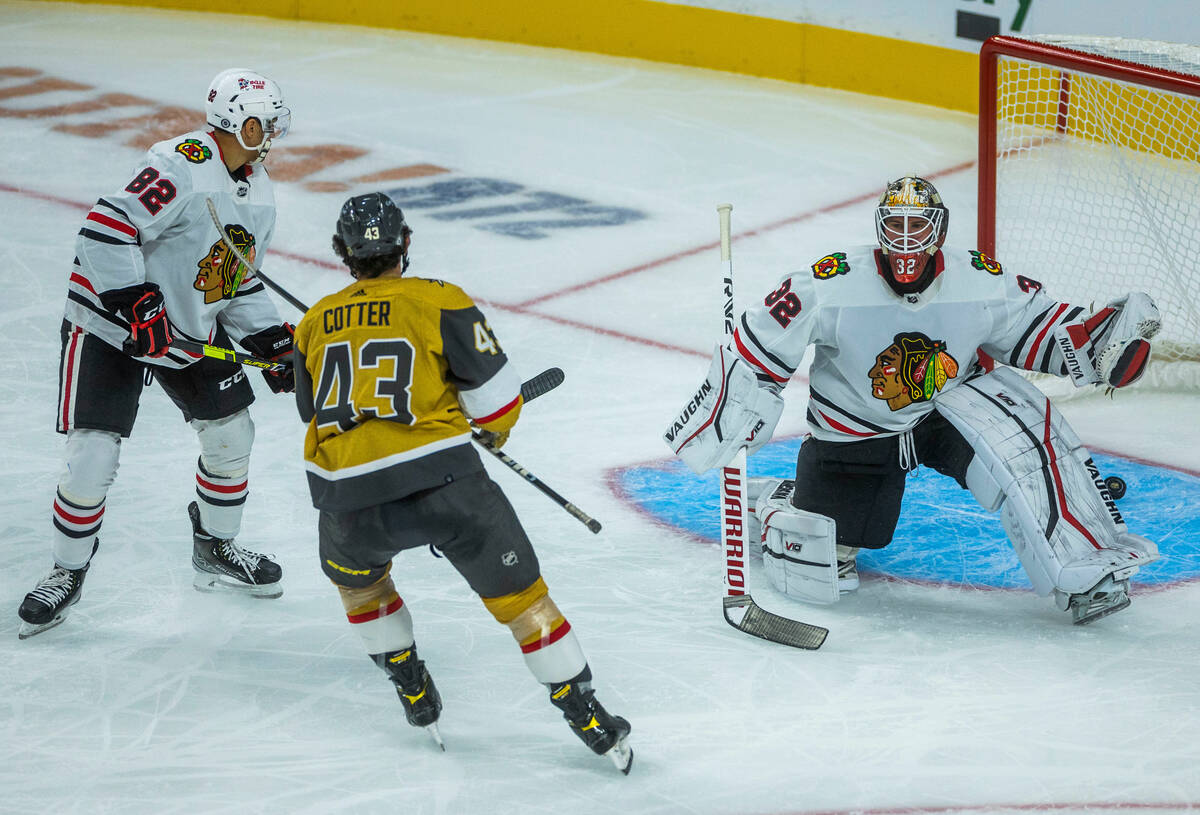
(263, 147)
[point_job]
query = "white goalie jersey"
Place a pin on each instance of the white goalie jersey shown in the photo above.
(880, 358)
(158, 229)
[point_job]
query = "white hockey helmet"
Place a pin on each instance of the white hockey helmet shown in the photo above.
(238, 94)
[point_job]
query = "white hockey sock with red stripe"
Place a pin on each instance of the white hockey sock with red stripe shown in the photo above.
(384, 626)
(75, 530)
(555, 655)
(222, 498)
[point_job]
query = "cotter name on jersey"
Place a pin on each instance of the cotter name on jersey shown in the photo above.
(371, 312)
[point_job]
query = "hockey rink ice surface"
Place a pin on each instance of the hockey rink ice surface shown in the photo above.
(575, 197)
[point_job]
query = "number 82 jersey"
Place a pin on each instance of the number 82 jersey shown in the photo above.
(388, 372)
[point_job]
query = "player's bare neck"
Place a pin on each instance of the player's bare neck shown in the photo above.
(233, 154)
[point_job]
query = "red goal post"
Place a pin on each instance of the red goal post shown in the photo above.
(1089, 176)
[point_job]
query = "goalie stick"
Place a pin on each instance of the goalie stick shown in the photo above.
(738, 606)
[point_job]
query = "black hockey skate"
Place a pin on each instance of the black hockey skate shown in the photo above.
(602, 732)
(46, 606)
(1107, 597)
(222, 565)
(420, 697)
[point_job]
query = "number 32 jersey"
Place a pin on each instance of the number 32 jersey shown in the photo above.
(388, 370)
(158, 229)
(879, 357)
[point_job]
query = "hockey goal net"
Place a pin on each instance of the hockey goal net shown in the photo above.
(1089, 177)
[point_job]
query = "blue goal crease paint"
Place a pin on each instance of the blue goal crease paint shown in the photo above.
(944, 537)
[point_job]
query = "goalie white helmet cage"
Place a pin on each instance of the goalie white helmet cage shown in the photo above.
(910, 225)
(238, 94)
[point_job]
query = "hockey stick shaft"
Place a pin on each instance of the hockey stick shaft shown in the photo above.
(228, 355)
(574, 511)
(531, 389)
(734, 516)
(735, 512)
(246, 264)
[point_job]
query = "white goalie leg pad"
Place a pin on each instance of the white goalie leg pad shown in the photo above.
(1063, 524)
(729, 410)
(221, 473)
(799, 548)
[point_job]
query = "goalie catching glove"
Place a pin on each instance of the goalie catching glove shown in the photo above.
(1111, 346)
(730, 410)
(275, 344)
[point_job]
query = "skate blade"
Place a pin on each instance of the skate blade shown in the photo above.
(621, 755)
(208, 582)
(1088, 619)
(28, 630)
(436, 735)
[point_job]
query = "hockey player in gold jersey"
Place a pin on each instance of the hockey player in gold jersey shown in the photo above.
(392, 372)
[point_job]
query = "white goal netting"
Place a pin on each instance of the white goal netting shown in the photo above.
(1097, 184)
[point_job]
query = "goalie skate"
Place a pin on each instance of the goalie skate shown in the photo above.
(222, 565)
(1107, 597)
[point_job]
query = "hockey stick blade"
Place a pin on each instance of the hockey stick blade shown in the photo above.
(543, 383)
(758, 622)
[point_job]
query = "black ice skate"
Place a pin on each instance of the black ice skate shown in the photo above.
(222, 565)
(420, 697)
(602, 732)
(47, 605)
(1107, 597)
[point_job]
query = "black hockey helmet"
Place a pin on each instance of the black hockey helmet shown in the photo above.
(369, 227)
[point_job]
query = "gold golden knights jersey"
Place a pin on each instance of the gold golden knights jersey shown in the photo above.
(388, 372)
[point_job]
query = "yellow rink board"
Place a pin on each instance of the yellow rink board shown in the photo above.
(662, 32)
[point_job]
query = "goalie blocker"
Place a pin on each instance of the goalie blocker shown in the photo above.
(728, 411)
(1062, 521)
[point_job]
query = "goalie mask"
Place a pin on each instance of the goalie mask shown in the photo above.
(238, 95)
(371, 235)
(910, 225)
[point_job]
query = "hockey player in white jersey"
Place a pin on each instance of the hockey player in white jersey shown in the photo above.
(150, 267)
(897, 381)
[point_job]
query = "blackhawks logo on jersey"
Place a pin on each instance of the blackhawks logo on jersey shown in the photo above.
(194, 151)
(220, 272)
(831, 265)
(912, 369)
(986, 263)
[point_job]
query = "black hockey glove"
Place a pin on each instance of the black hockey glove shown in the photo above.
(275, 344)
(143, 306)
